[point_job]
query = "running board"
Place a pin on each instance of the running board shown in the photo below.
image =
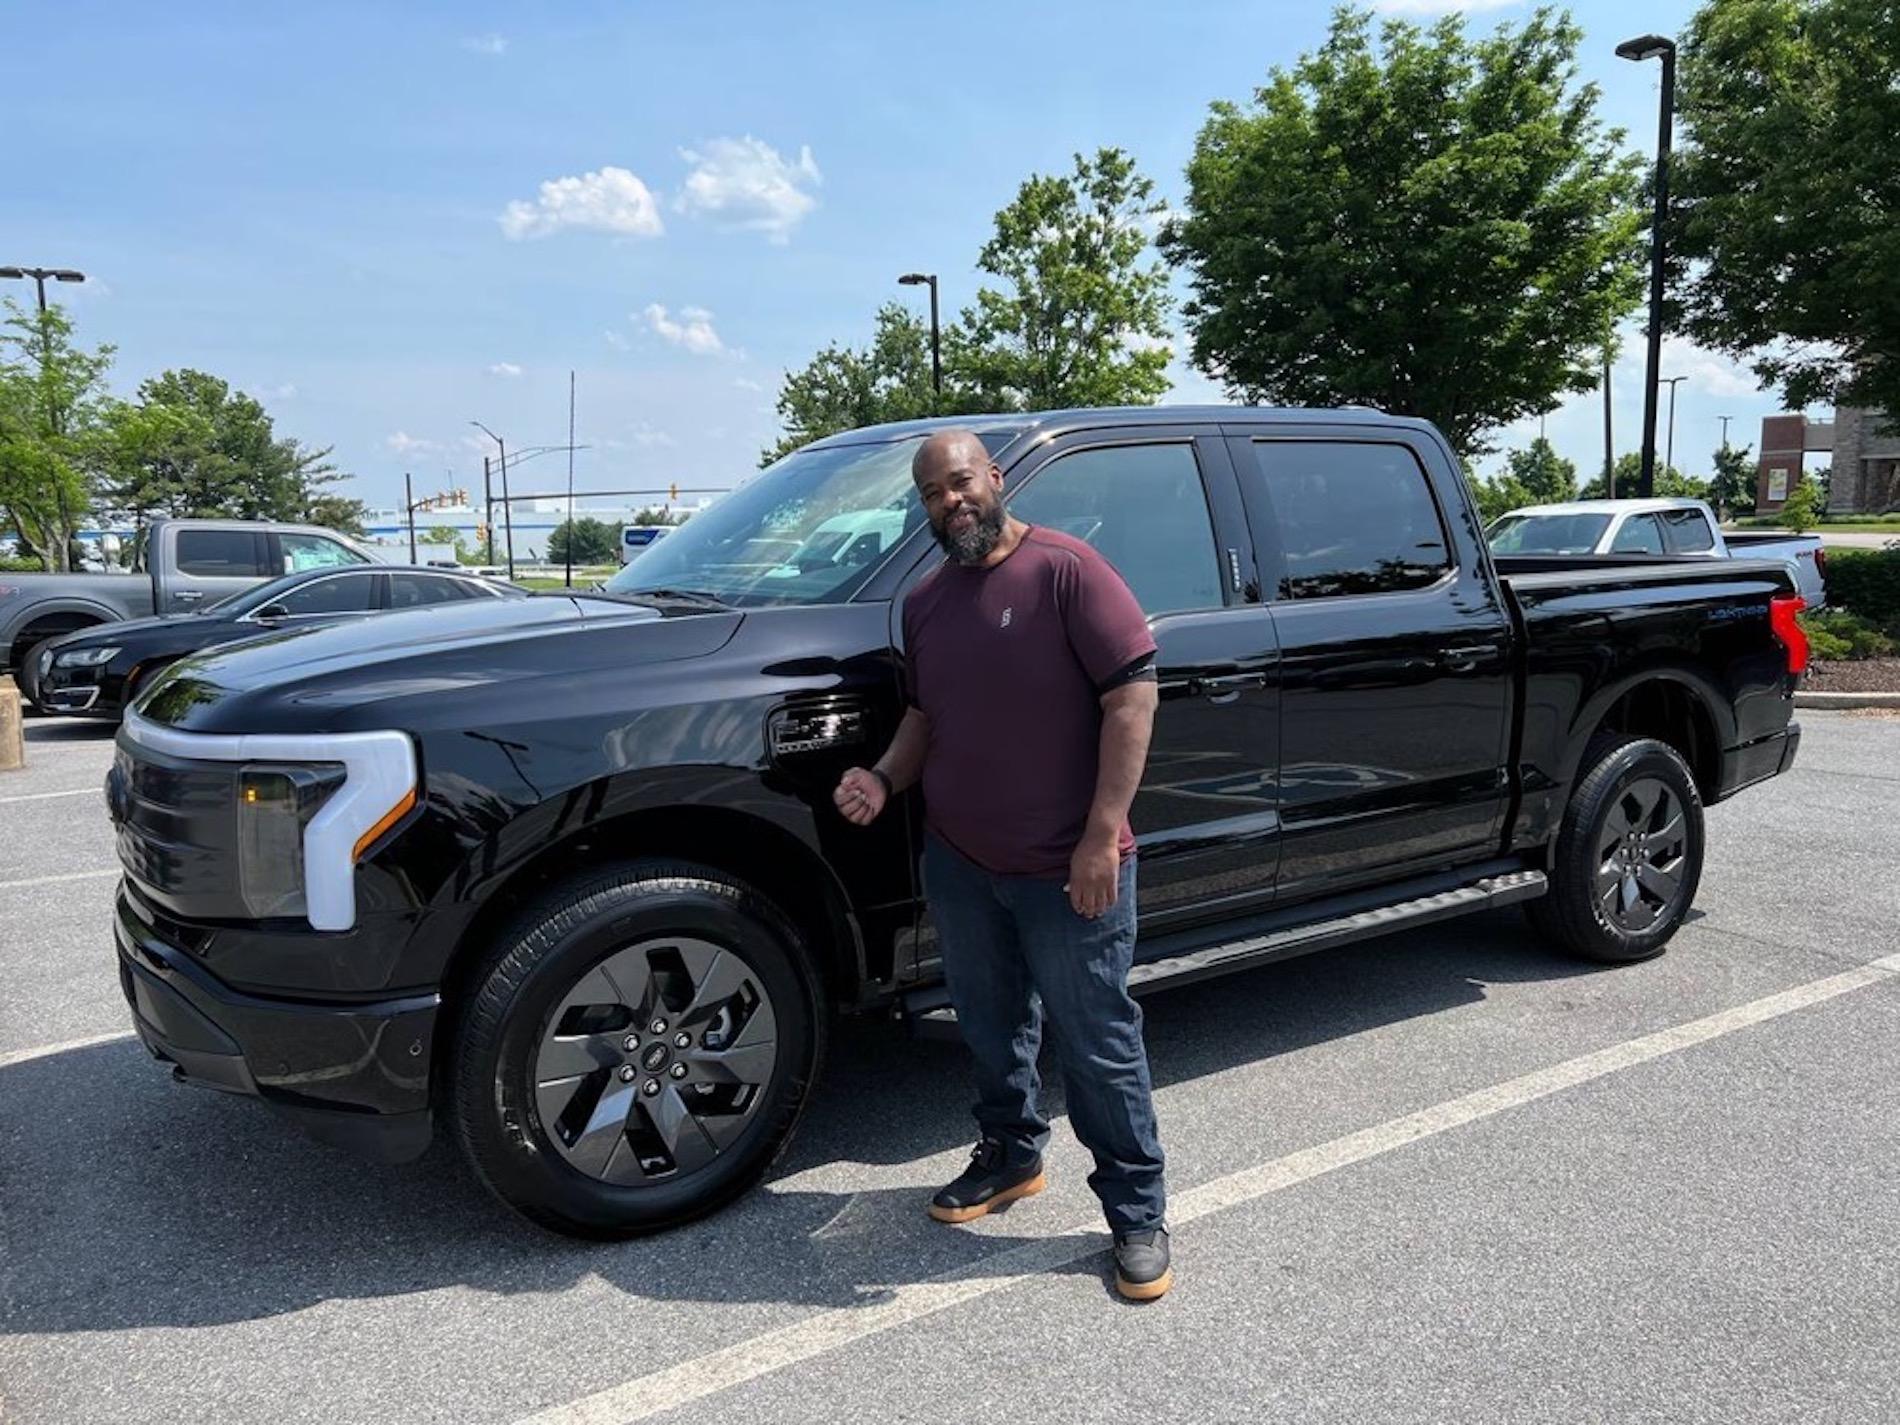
(930, 1014)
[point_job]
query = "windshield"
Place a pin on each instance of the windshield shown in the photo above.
(1547, 534)
(807, 530)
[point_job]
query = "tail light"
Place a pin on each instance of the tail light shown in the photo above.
(1782, 609)
(1820, 564)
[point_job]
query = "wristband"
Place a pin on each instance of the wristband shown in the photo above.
(884, 777)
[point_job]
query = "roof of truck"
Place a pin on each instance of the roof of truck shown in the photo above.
(1610, 507)
(1011, 424)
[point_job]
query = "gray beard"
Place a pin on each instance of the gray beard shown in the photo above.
(979, 541)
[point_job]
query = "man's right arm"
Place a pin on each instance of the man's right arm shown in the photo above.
(861, 796)
(903, 762)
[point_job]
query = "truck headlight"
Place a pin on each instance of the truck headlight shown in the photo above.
(84, 657)
(274, 806)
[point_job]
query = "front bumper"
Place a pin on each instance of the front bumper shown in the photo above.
(85, 692)
(354, 1073)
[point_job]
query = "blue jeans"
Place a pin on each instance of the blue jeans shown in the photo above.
(1013, 947)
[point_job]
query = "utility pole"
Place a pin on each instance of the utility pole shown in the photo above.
(488, 514)
(1725, 420)
(409, 509)
(1647, 47)
(570, 479)
(1609, 445)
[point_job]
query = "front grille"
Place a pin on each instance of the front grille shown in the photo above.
(177, 829)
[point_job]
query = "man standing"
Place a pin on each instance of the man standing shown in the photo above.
(1032, 697)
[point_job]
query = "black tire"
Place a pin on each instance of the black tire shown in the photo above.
(545, 962)
(1652, 880)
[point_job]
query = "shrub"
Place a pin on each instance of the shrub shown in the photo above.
(13, 564)
(1866, 582)
(1835, 635)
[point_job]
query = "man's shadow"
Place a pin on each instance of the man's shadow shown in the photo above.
(130, 1202)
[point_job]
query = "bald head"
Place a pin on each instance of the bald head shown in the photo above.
(949, 449)
(962, 491)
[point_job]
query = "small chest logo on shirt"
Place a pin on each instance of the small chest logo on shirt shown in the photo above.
(1006, 617)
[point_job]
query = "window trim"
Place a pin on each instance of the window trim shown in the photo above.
(1454, 567)
(351, 571)
(260, 553)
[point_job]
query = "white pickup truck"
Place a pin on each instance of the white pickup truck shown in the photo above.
(1683, 528)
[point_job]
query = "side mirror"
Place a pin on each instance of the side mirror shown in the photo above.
(272, 613)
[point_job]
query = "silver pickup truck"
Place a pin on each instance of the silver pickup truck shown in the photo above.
(178, 566)
(1681, 527)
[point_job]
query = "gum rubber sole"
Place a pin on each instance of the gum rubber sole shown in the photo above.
(1145, 1291)
(1027, 1188)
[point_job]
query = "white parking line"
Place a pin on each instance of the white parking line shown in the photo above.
(832, 1330)
(45, 1051)
(55, 880)
(48, 796)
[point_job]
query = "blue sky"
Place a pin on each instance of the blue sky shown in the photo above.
(387, 220)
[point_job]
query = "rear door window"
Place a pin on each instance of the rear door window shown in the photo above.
(1640, 534)
(1353, 517)
(339, 594)
(1688, 531)
(412, 591)
(221, 553)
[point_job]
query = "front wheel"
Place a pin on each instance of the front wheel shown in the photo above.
(637, 1051)
(1629, 854)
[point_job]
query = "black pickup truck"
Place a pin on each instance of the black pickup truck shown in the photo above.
(566, 870)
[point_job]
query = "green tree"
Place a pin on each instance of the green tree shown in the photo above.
(1502, 495)
(1732, 491)
(842, 387)
(1785, 194)
(448, 534)
(191, 446)
(1802, 509)
(1546, 476)
(1671, 483)
(52, 401)
(594, 542)
(1431, 224)
(1083, 320)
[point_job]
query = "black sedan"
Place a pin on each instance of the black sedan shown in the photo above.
(98, 671)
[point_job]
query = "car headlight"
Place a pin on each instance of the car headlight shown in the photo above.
(274, 806)
(84, 657)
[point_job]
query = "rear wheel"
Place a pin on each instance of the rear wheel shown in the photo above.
(637, 1051)
(1629, 855)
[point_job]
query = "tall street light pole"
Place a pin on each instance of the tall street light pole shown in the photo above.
(39, 276)
(1725, 420)
(1669, 455)
(917, 279)
(1648, 47)
(507, 510)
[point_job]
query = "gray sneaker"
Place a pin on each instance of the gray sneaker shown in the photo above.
(1142, 1272)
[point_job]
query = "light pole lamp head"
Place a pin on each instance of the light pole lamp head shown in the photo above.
(12, 272)
(1646, 47)
(916, 279)
(66, 274)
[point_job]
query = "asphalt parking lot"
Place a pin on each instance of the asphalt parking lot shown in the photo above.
(1446, 1175)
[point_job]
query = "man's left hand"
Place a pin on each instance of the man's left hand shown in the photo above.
(1095, 873)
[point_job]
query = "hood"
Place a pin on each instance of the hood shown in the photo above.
(359, 673)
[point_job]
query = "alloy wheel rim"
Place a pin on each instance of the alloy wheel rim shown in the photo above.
(655, 1061)
(1642, 852)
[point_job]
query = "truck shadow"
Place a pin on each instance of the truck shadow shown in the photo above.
(130, 1203)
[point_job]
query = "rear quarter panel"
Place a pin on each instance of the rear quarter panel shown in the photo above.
(1593, 635)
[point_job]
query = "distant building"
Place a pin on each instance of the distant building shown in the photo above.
(1865, 475)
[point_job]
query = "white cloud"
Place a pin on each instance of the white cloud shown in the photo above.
(504, 368)
(610, 201)
(693, 330)
(403, 443)
(281, 393)
(1438, 7)
(744, 385)
(745, 183)
(1708, 372)
(617, 341)
(486, 44)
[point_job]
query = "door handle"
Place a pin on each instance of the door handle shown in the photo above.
(188, 596)
(1465, 656)
(1224, 687)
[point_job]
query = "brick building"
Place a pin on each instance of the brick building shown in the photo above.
(1866, 462)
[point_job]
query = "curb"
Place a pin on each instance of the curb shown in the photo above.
(1844, 701)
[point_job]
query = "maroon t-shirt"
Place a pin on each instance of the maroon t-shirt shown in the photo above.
(1008, 664)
